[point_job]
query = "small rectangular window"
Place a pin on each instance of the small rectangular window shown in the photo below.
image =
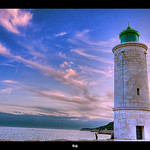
(139, 132)
(138, 91)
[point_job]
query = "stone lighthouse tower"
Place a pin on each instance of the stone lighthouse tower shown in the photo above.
(131, 94)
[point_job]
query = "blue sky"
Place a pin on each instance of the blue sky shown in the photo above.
(60, 62)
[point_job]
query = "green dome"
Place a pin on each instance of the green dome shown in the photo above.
(129, 35)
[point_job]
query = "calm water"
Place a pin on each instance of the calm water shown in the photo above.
(41, 134)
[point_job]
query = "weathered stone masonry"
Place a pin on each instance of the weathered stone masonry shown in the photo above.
(130, 73)
(131, 94)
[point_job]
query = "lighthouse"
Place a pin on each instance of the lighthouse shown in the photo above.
(131, 93)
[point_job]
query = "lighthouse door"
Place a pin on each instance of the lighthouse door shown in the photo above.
(139, 132)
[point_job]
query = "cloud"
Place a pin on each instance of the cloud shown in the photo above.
(60, 54)
(82, 36)
(70, 76)
(12, 18)
(66, 64)
(6, 90)
(3, 50)
(78, 106)
(70, 73)
(85, 104)
(71, 105)
(53, 95)
(34, 52)
(9, 65)
(12, 86)
(51, 111)
(60, 34)
(97, 58)
(10, 81)
(110, 43)
(84, 40)
(108, 73)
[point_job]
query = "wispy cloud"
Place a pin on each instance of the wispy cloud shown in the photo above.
(12, 18)
(108, 73)
(83, 37)
(85, 104)
(6, 90)
(7, 64)
(97, 58)
(60, 54)
(74, 105)
(70, 76)
(61, 34)
(35, 53)
(10, 81)
(11, 86)
(82, 34)
(36, 48)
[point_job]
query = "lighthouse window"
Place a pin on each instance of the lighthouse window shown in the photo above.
(139, 132)
(138, 91)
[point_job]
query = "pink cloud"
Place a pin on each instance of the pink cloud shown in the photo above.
(10, 81)
(71, 73)
(12, 18)
(65, 64)
(69, 77)
(13, 85)
(6, 90)
(83, 104)
(3, 50)
(101, 108)
(60, 34)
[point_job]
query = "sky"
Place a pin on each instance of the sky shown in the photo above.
(59, 62)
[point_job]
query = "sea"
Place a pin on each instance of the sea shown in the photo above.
(44, 134)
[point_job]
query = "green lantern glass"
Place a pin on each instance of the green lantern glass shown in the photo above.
(129, 35)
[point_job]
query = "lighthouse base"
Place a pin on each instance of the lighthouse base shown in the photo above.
(132, 124)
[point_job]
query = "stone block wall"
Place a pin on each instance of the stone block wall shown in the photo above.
(126, 121)
(130, 74)
(131, 91)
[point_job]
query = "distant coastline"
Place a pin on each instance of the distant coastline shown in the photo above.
(106, 129)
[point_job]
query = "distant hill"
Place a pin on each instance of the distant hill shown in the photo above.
(106, 129)
(109, 126)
